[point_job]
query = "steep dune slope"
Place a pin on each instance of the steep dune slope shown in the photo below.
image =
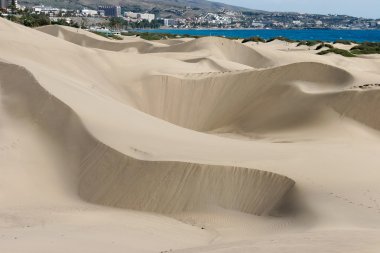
(359, 105)
(247, 100)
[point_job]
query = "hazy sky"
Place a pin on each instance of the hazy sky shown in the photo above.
(359, 8)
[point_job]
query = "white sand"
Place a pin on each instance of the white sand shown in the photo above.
(185, 146)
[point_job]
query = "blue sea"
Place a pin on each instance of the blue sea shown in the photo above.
(312, 34)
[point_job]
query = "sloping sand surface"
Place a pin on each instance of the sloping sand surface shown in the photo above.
(164, 187)
(87, 39)
(205, 145)
(215, 47)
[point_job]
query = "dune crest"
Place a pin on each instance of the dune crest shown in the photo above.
(218, 100)
(209, 46)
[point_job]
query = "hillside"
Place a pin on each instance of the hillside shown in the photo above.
(174, 7)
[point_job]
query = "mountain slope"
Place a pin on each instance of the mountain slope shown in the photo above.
(142, 5)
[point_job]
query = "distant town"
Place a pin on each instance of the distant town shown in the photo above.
(124, 18)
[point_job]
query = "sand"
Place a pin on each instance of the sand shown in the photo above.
(194, 145)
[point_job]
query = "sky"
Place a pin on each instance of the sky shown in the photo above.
(357, 8)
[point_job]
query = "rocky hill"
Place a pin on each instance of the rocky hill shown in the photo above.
(167, 8)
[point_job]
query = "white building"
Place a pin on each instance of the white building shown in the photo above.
(140, 16)
(169, 22)
(146, 16)
(86, 12)
(37, 9)
(257, 24)
(47, 10)
(130, 14)
(56, 19)
(319, 22)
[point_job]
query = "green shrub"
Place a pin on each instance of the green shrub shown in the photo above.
(282, 39)
(253, 39)
(157, 36)
(191, 36)
(309, 43)
(342, 52)
(366, 48)
(150, 36)
(116, 37)
(34, 20)
(344, 42)
(322, 45)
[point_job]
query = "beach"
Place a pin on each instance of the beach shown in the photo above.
(185, 145)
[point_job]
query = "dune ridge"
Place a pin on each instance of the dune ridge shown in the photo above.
(217, 47)
(174, 187)
(76, 36)
(106, 176)
(219, 100)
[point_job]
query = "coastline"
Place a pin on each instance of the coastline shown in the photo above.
(294, 34)
(260, 29)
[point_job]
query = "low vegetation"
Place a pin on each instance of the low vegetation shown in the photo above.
(282, 39)
(71, 23)
(309, 43)
(154, 36)
(157, 36)
(344, 42)
(109, 36)
(342, 52)
(254, 39)
(323, 45)
(29, 19)
(366, 48)
(120, 23)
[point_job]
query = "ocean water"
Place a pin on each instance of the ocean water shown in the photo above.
(312, 34)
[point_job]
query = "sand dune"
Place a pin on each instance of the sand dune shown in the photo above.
(222, 49)
(238, 98)
(87, 39)
(203, 145)
(106, 175)
(216, 47)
